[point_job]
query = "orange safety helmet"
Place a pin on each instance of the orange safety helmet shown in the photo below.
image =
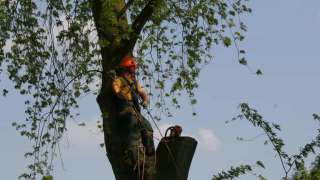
(128, 61)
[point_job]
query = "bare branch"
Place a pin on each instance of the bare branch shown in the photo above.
(141, 20)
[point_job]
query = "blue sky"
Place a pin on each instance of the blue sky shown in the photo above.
(282, 40)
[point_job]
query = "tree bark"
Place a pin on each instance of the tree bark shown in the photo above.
(117, 39)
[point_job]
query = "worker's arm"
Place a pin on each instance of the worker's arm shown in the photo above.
(143, 94)
(116, 88)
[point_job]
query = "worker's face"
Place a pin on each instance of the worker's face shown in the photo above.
(132, 69)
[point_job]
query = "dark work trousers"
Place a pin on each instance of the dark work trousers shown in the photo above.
(137, 147)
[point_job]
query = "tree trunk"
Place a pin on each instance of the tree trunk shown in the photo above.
(114, 38)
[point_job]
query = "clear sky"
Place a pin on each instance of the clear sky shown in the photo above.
(283, 40)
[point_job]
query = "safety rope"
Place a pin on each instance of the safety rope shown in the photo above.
(138, 151)
(139, 116)
(167, 146)
(143, 150)
(143, 162)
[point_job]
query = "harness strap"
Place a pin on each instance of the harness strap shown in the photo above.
(133, 86)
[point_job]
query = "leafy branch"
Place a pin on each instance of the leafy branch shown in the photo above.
(270, 130)
(235, 172)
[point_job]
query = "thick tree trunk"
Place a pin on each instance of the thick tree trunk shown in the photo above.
(114, 38)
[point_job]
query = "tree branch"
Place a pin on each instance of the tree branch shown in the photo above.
(124, 9)
(144, 16)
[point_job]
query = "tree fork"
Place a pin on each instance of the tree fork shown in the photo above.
(109, 28)
(116, 39)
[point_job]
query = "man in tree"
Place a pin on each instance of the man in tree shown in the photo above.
(136, 134)
(53, 50)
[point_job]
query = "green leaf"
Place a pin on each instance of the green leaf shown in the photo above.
(233, 172)
(82, 124)
(261, 177)
(243, 61)
(227, 41)
(4, 92)
(14, 124)
(47, 178)
(193, 101)
(259, 72)
(276, 126)
(259, 163)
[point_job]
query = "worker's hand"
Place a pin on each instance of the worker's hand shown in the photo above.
(145, 104)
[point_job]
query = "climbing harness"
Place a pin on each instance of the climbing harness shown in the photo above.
(175, 131)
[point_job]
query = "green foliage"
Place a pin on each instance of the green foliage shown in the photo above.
(259, 72)
(260, 163)
(270, 130)
(233, 172)
(47, 178)
(180, 39)
(4, 21)
(315, 169)
(51, 61)
(227, 41)
(313, 173)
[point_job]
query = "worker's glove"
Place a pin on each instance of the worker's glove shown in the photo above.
(145, 104)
